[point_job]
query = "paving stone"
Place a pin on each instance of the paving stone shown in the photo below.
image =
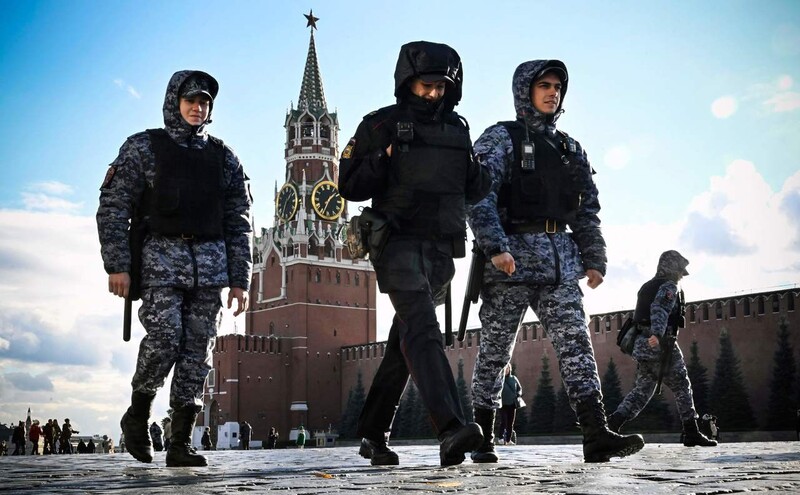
(659, 468)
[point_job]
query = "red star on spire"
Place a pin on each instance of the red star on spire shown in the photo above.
(312, 21)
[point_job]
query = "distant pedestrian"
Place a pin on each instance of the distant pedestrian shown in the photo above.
(34, 434)
(272, 439)
(166, 423)
(206, 440)
(245, 434)
(47, 432)
(512, 400)
(91, 447)
(18, 438)
(157, 434)
(56, 437)
(82, 447)
(301, 437)
(108, 445)
(66, 435)
(122, 443)
(3, 448)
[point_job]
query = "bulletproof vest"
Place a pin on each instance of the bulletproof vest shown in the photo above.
(544, 186)
(425, 193)
(187, 194)
(646, 296)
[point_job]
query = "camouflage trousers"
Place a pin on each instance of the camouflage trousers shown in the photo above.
(560, 310)
(181, 326)
(676, 378)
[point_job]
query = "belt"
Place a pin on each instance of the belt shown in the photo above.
(547, 226)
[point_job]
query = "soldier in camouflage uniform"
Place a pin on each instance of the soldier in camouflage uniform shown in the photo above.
(542, 183)
(191, 193)
(660, 309)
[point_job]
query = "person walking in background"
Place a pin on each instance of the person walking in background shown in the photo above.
(245, 434)
(186, 193)
(18, 439)
(47, 433)
(205, 441)
(542, 186)
(166, 424)
(414, 161)
(659, 313)
(272, 439)
(301, 437)
(56, 438)
(34, 434)
(157, 435)
(66, 436)
(512, 400)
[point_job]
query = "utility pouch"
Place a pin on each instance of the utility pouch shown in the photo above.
(459, 246)
(367, 234)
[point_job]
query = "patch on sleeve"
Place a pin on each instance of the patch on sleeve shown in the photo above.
(348, 150)
(669, 295)
(109, 177)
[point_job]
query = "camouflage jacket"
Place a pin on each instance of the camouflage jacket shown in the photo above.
(660, 309)
(173, 262)
(539, 258)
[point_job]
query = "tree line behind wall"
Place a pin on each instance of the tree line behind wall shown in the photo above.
(548, 410)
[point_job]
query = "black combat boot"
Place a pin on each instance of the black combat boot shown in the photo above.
(615, 421)
(599, 443)
(458, 440)
(485, 419)
(135, 427)
(692, 437)
(378, 453)
(180, 451)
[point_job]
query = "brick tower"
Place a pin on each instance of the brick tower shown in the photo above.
(308, 298)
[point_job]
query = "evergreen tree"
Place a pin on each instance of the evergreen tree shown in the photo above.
(403, 425)
(544, 402)
(565, 420)
(729, 401)
(355, 403)
(698, 375)
(656, 416)
(782, 406)
(464, 394)
(422, 427)
(612, 389)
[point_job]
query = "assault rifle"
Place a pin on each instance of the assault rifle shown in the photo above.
(667, 343)
(448, 318)
(474, 285)
(136, 234)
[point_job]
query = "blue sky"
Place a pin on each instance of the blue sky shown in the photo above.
(689, 112)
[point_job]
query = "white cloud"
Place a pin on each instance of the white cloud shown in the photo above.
(785, 82)
(783, 102)
(44, 202)
(52, 187)
(724, 106)
(127, 87)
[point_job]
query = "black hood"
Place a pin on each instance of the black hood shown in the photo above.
(420, 58)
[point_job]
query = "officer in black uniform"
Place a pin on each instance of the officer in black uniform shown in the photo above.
(414, 160)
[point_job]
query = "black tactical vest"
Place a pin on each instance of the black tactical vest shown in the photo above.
(425, 194)
(550, 189)
(646, 296)
(187, 195)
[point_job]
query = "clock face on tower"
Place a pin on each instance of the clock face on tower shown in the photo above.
(286, 202)
(327, 201)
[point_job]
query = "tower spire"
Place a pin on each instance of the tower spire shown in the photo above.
(311, 93)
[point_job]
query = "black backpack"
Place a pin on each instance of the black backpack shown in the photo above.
(626, 337)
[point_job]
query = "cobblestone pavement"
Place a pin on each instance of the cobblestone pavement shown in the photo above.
(658, 468)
